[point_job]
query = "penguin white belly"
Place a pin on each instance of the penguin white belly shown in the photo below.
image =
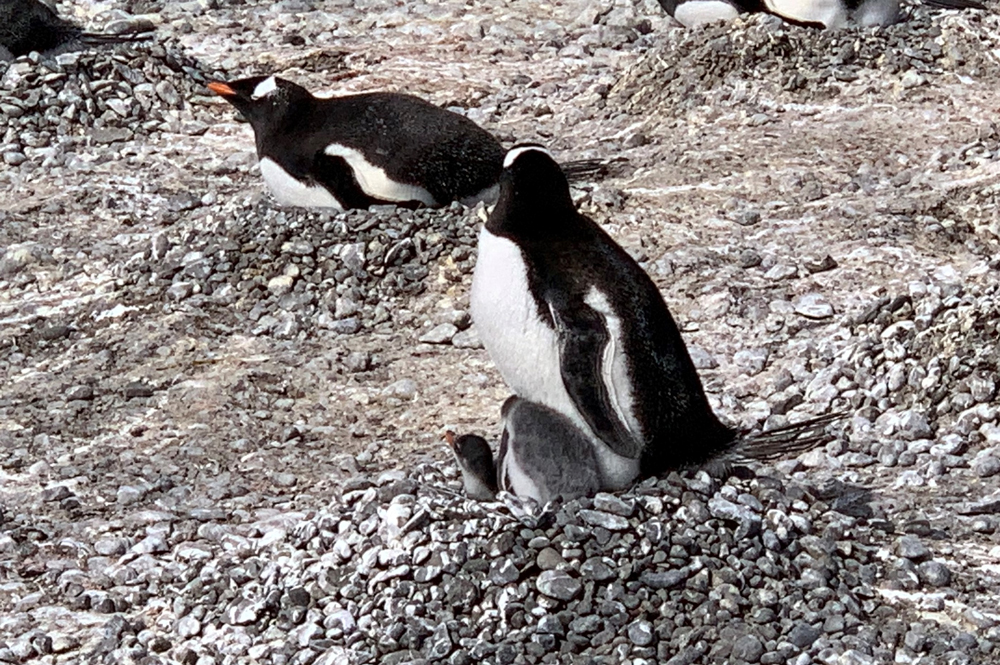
(290, 191)
(525, 348)
(693, 13)
(831, 13)
(374, 181)
(517, 481)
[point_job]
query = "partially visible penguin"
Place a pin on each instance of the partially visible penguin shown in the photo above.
(31, 25)
(574, 324)
(358, 150)
(692, 13)
(830, 14)
(542, 456)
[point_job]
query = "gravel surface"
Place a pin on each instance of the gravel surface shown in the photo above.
(221, 420)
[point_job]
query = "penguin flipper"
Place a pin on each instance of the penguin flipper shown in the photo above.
(337, 176)
(583, 337)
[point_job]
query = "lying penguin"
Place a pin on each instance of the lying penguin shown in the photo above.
(574, 324)
(31, 25)
(355, 151)
(829, 14)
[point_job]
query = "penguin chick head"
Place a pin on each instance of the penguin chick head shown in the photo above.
(261, 99)
(532, 187)
(475, 459)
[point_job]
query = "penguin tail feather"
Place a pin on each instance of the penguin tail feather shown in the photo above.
(955, 4)
(787, 440)
(582, 170)
(99, 38)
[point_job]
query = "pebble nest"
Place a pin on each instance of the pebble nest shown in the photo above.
(759, 52)
(874, 549)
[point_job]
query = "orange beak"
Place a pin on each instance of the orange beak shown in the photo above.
(449, 436)
(221, 89)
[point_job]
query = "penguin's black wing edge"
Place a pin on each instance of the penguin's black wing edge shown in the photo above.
(583, 338)
(334, 173)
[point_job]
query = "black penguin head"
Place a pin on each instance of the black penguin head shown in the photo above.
(532, 188)
(508, 405)
(475, 459)
(262, 100)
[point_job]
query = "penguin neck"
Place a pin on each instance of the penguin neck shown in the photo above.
(273, 125)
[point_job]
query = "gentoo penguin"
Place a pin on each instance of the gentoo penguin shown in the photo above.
(692, 13)
(475, 461)
(829, 14)
(573, 323)
(358, 150)
(542, 456)
(31, 25)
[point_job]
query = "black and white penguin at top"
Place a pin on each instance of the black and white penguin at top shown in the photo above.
(830, 14)
(542, 456)
(354, 151)
(31, 25)
(573, 323)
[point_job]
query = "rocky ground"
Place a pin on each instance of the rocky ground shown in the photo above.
(220, 420)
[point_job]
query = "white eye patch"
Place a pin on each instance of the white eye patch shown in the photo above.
(517, 150)
(264, 88)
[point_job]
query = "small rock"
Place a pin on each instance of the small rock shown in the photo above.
(911, 548)
(934, 573)
(558, 584)
(803, 635)
(439, 334)
(605, 520)
(281, 284)
(747, 648)
(640, 633)
(135, 389)
(57, 493)
(820, 265)
(405, 389)
(80, 392)
(549, 559)
(813, 306)
(358, 361)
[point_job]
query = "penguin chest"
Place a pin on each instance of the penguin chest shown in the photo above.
(290, 191)
(515, 479)
(524, 347)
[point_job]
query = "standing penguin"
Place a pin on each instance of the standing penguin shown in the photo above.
(573, 323)
(31, 25)
(542, 456)
(359, 150)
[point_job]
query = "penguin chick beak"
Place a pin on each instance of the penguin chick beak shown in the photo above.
(449, 437)
(222, 89)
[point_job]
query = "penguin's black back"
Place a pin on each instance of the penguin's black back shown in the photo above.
(30, 25)
(566, 254)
